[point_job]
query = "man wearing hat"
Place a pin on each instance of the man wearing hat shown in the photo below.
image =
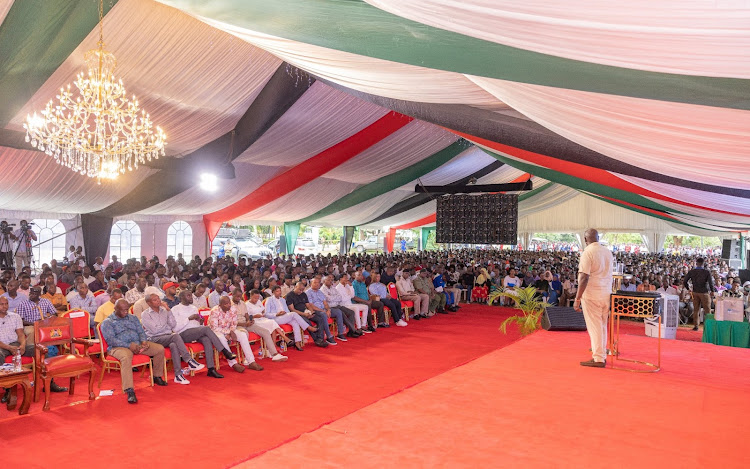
(170, 294)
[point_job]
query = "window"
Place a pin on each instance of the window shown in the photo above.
(48, 246)
(125, 240)
(180, 240)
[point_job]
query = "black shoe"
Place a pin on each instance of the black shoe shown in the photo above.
(6, 396)
(352, 334)
(321, 343)
(695, 328)
(442, 311)
(370, 328)
(228, 355)
(423, 316)
(417, 317)
(159, 381)
(331, 341)
(54, 387)
(341, 337)
(213, 373)
(131, 396)
(594, 364)
(358, 333)
(382, 324)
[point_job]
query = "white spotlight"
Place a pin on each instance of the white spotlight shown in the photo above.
(209, 182)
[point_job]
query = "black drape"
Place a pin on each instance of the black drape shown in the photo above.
(346, 240)
(96, 231)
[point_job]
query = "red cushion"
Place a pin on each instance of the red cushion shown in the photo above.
(407, 304)
(287, 328)
(53, 333)
(194, 347)
(252, 336)
(64, 363)
(330, 320)
(93, 350)
(137, 359)
(167, 353)
(24, 360)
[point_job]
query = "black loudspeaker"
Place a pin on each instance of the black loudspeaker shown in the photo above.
(730, 249)
(477, 219)
(559, 318)
(744, 275)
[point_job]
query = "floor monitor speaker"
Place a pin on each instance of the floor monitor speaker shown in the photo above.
(559, 318)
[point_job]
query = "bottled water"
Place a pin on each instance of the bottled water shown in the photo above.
(283, 345)
(260, 353)
(17, 361)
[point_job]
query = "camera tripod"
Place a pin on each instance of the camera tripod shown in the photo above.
(29, 253)
(6, 251)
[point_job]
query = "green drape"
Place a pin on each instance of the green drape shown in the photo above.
(291, 232)
(357, 27)
(425, 232)
(730, 333)
(392, 181)
(35, 39)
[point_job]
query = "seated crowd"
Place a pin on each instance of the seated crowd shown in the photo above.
(145, 307)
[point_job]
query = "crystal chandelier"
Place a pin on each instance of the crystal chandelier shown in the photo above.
(99, 132)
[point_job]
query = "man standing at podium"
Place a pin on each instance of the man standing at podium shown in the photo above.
(594, 288)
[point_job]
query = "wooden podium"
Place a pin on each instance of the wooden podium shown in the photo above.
(635, 305)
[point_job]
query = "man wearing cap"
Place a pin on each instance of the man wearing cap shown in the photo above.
(170, 294)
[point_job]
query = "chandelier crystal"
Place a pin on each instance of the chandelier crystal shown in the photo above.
(97, 131)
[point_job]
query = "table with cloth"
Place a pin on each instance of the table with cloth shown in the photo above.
(731, 333)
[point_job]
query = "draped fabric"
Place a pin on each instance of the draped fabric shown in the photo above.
(639, 34)
(346, 240)
(309, 170)
(424, 236)
(96, 231)
(331, 112)
(291, 231)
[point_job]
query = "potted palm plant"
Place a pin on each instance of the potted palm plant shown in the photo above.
(532, 307)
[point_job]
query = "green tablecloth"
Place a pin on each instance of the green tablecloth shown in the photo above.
(731, 333)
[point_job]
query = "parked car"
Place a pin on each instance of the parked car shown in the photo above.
(274, 246)
(371, 243)
(240, 247)
(306, 247)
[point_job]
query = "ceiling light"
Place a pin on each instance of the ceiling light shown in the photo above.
(209, 182)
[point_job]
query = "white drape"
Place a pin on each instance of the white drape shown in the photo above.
(701, 143)
(368, 74)
(703, 38)
(34, 183)
(322, 117)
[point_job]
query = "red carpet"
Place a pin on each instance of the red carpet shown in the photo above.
(531, 405)
(218, 423)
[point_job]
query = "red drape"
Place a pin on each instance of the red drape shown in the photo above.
(308, 170)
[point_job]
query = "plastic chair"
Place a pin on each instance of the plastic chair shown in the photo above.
(111, 363)
(405, 305)
(81, 330)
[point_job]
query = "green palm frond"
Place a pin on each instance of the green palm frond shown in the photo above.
(531, 305)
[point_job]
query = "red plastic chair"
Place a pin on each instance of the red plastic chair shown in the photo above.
(111, 363)
(81, 330)
(99, 292)
(405, 305)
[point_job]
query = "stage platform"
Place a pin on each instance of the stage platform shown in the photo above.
(451, 391)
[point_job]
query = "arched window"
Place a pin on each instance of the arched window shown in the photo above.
(48, 246)
(180, 240)
(125, 240)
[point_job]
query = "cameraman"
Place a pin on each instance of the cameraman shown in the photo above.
(6, 245)
(24, 235)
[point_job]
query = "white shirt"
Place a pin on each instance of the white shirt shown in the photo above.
(8, 327)
(333, 297)
(181, 314)
(255, 308)
(514, 280)
(596, 261)
(72, 257)
(88, 280)
(346, 292)
(405, 286)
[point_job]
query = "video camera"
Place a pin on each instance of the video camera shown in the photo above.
(25, 225)
(6, 228)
